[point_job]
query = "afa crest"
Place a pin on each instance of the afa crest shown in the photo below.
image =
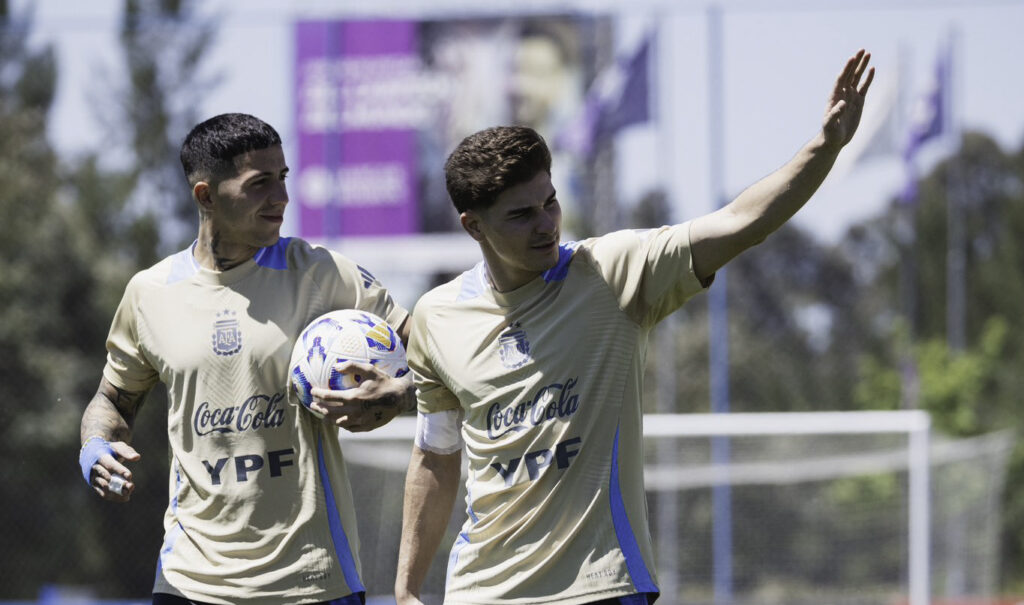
(227, 337)
(513, 347)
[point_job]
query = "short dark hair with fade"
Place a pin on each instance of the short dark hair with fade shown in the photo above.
(490, 161)
(210, 148)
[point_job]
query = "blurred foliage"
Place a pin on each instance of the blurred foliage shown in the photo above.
(163, 44)
(974, 390)
(793, 305)
(827, 328)
(811, 327)
(72, 235)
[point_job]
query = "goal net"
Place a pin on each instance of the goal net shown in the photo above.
(769, 508)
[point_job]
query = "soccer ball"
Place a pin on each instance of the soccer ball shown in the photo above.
(336, 337)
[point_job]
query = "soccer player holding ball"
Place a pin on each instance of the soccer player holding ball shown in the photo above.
(533, 360)
(260, 507)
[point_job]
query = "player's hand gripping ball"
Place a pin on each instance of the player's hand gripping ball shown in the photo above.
(336, 337)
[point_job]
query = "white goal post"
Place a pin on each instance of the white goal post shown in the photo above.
(788, 451)
(916, 424)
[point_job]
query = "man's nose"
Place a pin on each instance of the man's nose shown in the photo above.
(547, 223)
(280, 194)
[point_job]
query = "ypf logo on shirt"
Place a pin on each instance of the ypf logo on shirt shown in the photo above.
(513, 347)
(227, 337)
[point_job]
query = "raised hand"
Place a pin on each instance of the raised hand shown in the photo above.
(845, 104)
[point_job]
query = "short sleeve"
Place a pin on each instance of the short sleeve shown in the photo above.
(348, 285)
(378, 300)
(431, 393)
(127, 366)
(650, 270)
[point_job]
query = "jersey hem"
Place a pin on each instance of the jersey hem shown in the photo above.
(584, 599)
(249, 600)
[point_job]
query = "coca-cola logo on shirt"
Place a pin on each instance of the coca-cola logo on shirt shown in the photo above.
(552, 402)
(255, 413)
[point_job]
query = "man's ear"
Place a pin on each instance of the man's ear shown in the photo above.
(201, 193)
(471, 223)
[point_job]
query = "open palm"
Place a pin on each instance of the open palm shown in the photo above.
(845, 104)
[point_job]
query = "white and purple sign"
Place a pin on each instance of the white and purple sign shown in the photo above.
(379, 105)
(356, 120)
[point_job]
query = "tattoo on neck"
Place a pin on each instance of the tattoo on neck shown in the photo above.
(220, 263)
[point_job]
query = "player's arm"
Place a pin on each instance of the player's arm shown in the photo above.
(377, 399)
(105, 433)
(374, 403)
(430, 489)
(718, 237)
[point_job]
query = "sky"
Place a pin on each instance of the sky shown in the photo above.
(779, 60)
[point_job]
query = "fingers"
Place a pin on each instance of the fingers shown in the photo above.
(340, 404)
(357, 367)
(346, 401)
(850, 68)
(371, 384)
(111, 480)
(863, 90)
(371, 404)
(349, 374)
(117, 488)
(125, 451)
(357, 408)
(854, 70)
(862, 58)
(110, 466)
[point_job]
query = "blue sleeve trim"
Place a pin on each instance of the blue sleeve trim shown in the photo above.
(561, 268)
(276, 256)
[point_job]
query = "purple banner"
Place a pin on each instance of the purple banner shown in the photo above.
(356, 126)
(379, 105)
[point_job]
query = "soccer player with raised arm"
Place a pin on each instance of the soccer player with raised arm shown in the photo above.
(260, 509)
(532, 362)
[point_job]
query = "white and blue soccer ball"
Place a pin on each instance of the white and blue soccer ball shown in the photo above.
(336, 337)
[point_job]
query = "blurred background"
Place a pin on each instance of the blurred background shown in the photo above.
(898, 287)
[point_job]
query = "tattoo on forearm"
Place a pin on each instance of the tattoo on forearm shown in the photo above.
(128, 403)
(111, 414)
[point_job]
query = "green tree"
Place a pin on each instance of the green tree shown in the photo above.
(72, 235)
(793, 304)
(974, 390)
(146, 209)
(163, 44)
(816, 328)
(43, 285)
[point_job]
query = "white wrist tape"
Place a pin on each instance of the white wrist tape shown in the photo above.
(439, 432)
